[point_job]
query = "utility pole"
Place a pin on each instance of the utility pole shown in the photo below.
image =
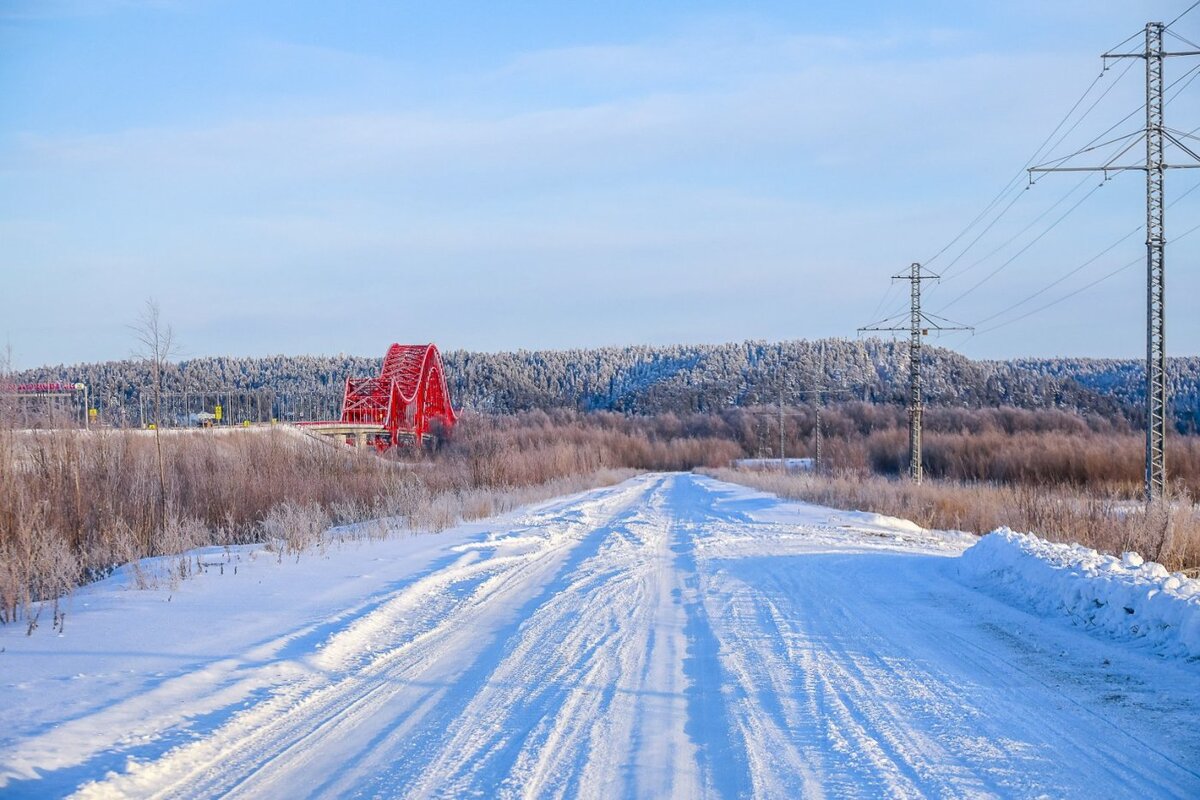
(1156, 135)
(782, 459)
(820, 384)
(919, 325)
(820, 392)
(817, 437)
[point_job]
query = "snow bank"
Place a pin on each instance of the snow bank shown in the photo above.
(1125, 596)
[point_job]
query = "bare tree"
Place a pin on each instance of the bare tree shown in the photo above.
(8, 411)
(157, 345)
(8, 398)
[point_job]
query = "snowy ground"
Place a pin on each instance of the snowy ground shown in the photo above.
(670, 636)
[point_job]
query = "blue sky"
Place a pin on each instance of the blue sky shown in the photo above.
(308, 177)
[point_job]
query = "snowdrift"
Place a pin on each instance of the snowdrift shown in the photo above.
(1124, 597)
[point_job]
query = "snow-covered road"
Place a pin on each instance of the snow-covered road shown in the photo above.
(670, 636)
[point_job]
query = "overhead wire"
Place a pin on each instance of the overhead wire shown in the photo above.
(1016, 178)
(1064, 298)
(1091, 146)
(1028, 245)
(1019, 233)
(1016, 196)
(1094, 144)
(1042, 149)
(1024, 249)
(1081, 267)
(888, 318)
(1012, 190)
(1186, 11)
(1190, 76)
(1139, 260)
(884, 299)
(1112, 85)
(1061, 278)
(1124, 41)
(1057, 161)
(1183, 39)
(1108, 165)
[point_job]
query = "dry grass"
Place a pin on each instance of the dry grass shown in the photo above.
(1036, 448)
(1168, 533)
(74, 505)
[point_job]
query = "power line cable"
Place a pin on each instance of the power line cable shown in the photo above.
(1017, 177)
(1024, 249)
(1037, 153)
(1056, 161)
(1110, 87)
(1062, 278)
(1193, 72)
(1019, 233)
(1122, 43)
(1183, 39)
(1068, 296)
(1082, 266)
(1016, 196)
(887, 293)
(1092, 146)
(1186, 11)
(1085, 287)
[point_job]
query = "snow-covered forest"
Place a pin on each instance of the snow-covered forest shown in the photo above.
(656, 379)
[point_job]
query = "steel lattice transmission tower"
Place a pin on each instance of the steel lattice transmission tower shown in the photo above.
(919, 325)
(1156, 135)
(1156, 311)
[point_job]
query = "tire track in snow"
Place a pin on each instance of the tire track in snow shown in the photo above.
(554, 713)
(658, 639)
(388, 655)
(893, 706)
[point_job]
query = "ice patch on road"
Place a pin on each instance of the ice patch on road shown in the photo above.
(1124, 597)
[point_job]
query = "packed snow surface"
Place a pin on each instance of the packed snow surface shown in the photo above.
(671, 636)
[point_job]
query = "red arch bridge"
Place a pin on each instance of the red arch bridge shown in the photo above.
(407, 404)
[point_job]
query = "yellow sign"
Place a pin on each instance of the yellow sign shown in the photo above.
(217, 413)
(93, 413)
(245, 423)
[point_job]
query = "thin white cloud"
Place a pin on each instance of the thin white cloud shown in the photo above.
(822, 112)
(66, 9)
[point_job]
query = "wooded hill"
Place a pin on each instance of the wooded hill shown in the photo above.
(684, 378)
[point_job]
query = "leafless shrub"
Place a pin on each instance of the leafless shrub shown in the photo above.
(1040, 448)
(290, 528)
(99, 496)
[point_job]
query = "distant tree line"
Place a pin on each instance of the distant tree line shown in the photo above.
(679, 379)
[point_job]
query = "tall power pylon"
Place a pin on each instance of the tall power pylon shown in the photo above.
(919, 325)
(1156, 135)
